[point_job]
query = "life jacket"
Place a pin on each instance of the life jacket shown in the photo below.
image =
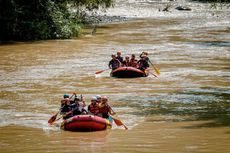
(126, 63)
(94, 109)
(143, 64)
(104, 109)
(114, 63)
(133, 63)
(65, 109)
(120, 58)
(76, 109)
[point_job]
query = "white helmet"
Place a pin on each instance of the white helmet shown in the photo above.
(98, 96)
(94, 98)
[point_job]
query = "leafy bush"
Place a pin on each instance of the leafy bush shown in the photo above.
(45, 19)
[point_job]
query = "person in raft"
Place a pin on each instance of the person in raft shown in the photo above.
(119, 57)
(70, 107)
(126, 62)
(143, 63)
(93, 108)
(65, 109)
(104, 108)
(77, 107)
(133, 61)
(98, 98)
(145, 54)
(114, 63)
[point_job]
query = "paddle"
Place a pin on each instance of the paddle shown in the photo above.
(155, 68)
(116, 120)
(100, 71)
(148, 71)
(153, 74)
(119, 122)
(53, 118)
(60, 117)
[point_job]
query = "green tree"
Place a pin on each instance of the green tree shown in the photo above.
(45, 19)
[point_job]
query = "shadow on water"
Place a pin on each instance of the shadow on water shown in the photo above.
(207, 104)
(215, 43)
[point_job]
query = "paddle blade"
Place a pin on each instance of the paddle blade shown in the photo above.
(53, 118)
(157, 70)
(119, 123)
(98, 72)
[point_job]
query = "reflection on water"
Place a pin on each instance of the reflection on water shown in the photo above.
(185, 109)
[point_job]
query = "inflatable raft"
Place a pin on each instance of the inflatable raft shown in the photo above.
(128, 72)
(86, 123)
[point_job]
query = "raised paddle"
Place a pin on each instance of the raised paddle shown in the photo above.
(100, 71)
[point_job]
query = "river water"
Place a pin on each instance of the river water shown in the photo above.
(185, 109)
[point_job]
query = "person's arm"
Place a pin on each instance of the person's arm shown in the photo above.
(147, 64)
(89, 108)
(110, 63)
(118, 62)
(110, 109)
(83, 101)
(141, 54)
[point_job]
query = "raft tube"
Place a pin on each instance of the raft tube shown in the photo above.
(86, 123)
(128, 72)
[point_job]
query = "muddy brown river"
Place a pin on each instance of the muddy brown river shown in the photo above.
(186, 109)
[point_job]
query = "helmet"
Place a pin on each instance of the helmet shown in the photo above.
(98, 96)
(94, 98)
(104, 98)
(65, 96)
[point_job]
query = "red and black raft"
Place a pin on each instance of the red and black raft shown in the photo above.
(128, 72)
(86, 123)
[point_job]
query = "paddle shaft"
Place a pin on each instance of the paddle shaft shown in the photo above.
(100, 71)
(156, 69)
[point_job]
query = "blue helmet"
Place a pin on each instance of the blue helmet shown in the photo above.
(66, 96)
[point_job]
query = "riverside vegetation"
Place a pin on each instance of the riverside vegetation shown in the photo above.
(50, 19)
(45, 19)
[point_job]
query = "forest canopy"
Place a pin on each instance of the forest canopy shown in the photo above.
(45, 19)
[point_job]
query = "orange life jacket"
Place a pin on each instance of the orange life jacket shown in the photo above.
(104, 109)
(93, 108)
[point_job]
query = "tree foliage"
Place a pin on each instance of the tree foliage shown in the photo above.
(44, 19)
